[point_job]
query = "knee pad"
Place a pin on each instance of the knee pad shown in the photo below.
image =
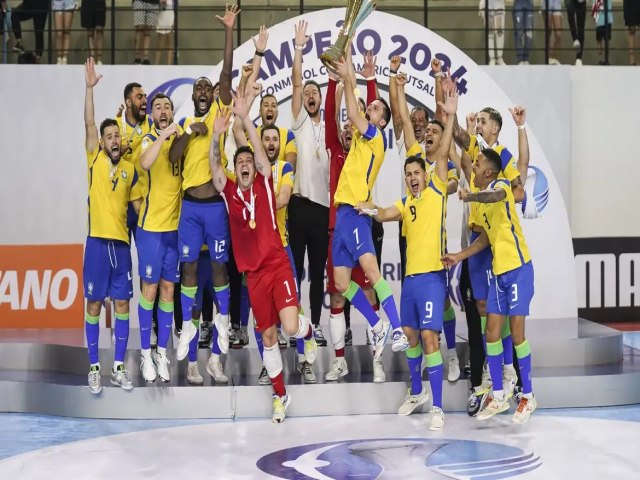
(303, 326)
(272, 360)
(337, 330)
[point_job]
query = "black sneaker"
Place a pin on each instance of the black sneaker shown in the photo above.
(146, 62)
(137, 61)
(206, 331)
(317, 333)
(476, 402)
(348, 338)
(17, 47)
(292, 342)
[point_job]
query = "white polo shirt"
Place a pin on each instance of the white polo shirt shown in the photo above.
(312, 167)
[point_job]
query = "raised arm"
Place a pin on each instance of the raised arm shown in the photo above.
(346, 72)
(483, 196)
(247, 73)
(393, 96)
(388, 214)
(519, 115)
(405, 116)
(449, 107)
(150, 152)
(179, 143)
(331, 108)
(368, 72)
(260, 44)
(241, 106)
(220, 125)
(436, 66)
(90, 129)
(239, 134)
(228, 21)
(460, 135)
(300, 40)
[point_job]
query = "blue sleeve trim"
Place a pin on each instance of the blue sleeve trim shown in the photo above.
(404, 200)
(290, 136)
(151, 136)
(287, 168)
(451, 165)
(495, 183)
(181, 121)
(371, 132)
(506, 157)
(135, 177)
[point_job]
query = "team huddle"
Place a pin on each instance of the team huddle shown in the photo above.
(212, 188)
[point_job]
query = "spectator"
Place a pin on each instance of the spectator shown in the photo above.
(523, 29)
(495, 40)
(604, 22)
(145, 19)
(631, 10)
(63, 16)
(577, 16)
(165, 31)
(93, 15)
(37, 10)
(553, 21)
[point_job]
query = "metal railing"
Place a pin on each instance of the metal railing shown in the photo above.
(198, 37)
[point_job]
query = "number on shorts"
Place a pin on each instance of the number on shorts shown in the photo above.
(115, 183)
(429, 309)
(486, 220)
(355, 232)
(514, 293)
(286, 285)
(412, 209)
(219, 246)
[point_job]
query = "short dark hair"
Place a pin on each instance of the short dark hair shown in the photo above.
(494, 159)
(415, 159)
(420, 108)
(314, 83)
(217, 84)
(129, 88)
(387, 111)
(494, 115)
(242, 149)
(266, 128)
(435, 121)
(107, 122)
(160, 95)
(362, 103)
(268, 95)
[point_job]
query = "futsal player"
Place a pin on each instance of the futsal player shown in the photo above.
(203, 218)
(157, 237)
(511, 287)
(352, 242)
(258, 247)
(425, 288)
(107, 256)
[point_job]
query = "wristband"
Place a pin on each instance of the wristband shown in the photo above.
(368, 79)
(372, 212)
(298, 47)
(392, 74)
(438, 74)
(392, 71)
(188, 130)
(521, 127)
(259, 53)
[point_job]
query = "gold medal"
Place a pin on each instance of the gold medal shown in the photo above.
(252, 224)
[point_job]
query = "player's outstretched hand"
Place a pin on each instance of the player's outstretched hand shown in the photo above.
(301, 37)
(121, 109)
(396, 61)
(230, 14)
(199, 128)
(170, 130)
(247, 70)
(436, 65)
(519, 114)
(260, 41)
(369, 66)
(450, 105)
(343, 68)
(472, 119)
(221, 122)
(254, 92)
(401, 79)
(91, 78)
(450, 259)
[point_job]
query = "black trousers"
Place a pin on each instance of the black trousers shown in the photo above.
(476, 347)
(31, 9)
(576, 15)
(235, 284)
(377, 233)
(309, 233)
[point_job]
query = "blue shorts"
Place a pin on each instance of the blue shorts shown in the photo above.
(480, 271)
(351, 237)
(203, 224)
(107, 270)
(293, 267)
(158, 256)
(205, 279)
(422, 300)
(511, 292)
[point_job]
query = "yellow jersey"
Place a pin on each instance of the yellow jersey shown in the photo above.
(509, 171)
(361, 167)
(287, 142)
(111, 188)
(418, 151)
(282, 173)
(162, 187)
(502, 225)
(196, 170)
(133, 135)
(423, 224)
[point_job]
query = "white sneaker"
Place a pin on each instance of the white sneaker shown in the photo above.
(494, 407)
(310, 350)
(437, 419)
(378, 339)
(578, 62)
(378, 372)
(509, 380)
(280, 405)
(264, 379)
(95, 381)
(149, 372)
(486, 384)
(400, 341)
(454, 368)
(576, 44)
(120, 378)
(193, 374)
(338, 369)
(411, 402)
(525, 408)
(162, 364)
(64, 60)
(554, 61)
(500, 61)
(189, 331)
(216, 370)
(99, 62)
(492, 61)
(304, 368)
(59, 61)
(222, 324)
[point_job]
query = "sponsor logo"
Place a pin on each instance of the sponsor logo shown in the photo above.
(185, 251)
(90, 288)
(424, 458)
(148, 271)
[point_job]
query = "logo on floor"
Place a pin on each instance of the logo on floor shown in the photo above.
(426, 458)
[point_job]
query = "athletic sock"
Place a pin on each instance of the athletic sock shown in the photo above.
(435, 369)
(145, 319)
(414, 359)
(507, 342)
(278, 385)
(222, 294)
(193, 347)
(523, 351)
(388, 303)
(165, 321)
(483, 329)
(359, 300)
(187, 297)
(259, 342)
(92, 331)
(494, 359)
(300, 347)
(122, 336)
(449, 327)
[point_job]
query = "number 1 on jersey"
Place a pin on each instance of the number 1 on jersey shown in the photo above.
(286, 285)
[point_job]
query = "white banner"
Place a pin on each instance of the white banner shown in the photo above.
(46, 184)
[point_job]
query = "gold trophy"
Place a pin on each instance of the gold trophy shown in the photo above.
(357, 11)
